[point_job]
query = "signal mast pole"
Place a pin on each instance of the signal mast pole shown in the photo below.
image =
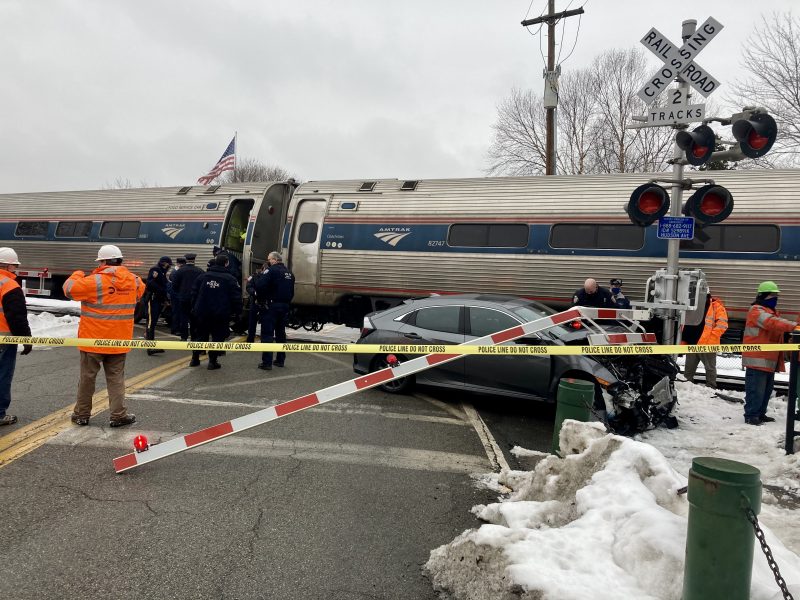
(551, 78)
(670, 330)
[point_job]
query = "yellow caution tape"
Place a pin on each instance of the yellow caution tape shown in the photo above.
(403, 349)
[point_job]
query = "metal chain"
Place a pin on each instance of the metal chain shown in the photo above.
(751, 516)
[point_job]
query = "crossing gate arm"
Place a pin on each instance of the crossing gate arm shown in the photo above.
(340, 390)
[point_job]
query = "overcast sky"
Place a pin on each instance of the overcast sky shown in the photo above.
(152, 91)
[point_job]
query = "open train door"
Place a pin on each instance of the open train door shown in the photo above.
(253, 226)
(304, 249)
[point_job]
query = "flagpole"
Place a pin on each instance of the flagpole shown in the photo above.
(235, 144)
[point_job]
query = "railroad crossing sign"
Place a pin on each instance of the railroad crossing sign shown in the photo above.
(680, 62)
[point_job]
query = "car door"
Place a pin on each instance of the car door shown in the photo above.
(437, 325)
(527, 375)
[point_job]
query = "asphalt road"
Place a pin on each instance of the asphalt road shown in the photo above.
(342, 501)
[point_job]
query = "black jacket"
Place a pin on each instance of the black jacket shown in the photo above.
(157, 282)
(276, 285)
(215, 294)
(183, 280)
(16, 312)
(600, 299)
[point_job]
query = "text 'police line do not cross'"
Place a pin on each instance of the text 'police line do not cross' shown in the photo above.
(755, 132)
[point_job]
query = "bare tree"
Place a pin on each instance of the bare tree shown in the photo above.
(123, 183)
(617, 75)
(518, 147)
(576, 109)
(772, 58)
(250, 169)
(595, 105)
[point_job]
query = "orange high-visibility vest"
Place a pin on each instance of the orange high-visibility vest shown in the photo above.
(716, 323)
(108, 297)
(764, 326)
(7, 283)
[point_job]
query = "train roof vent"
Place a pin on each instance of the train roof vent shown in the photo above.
(184, 190)
(367, 186)
(409, 185)
(211, 189)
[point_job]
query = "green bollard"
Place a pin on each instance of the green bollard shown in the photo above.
(719, 543)
(573, 401)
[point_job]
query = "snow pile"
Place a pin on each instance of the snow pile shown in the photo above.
(49, 325)
(606, 521)
(711, 426)
(66, 307)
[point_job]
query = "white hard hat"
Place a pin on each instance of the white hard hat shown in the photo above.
(108, 252)
(8, 257)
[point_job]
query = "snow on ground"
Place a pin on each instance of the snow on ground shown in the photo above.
(606, 521)
(64, 307)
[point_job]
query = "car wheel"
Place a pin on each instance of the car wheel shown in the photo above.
(396, 386)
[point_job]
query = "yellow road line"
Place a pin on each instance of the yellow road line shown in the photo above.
(30, 437)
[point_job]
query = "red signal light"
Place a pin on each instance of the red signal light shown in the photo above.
(757, 142)
(712, 204)
(647, 204)
(576, 324)
(392, 361)
(698, 144)
(755, 135)
(650, 202)
(709, 204)
(140, 443)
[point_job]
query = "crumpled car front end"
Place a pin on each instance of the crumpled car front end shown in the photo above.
(643, 395)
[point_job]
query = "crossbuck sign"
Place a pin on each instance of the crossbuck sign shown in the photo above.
(680, 62)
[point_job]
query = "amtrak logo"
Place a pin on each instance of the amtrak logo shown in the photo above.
(392, 235)
(173, 231)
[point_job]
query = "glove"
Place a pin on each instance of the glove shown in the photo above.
(26, 349)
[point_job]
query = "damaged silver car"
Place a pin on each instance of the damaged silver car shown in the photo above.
(633, 393)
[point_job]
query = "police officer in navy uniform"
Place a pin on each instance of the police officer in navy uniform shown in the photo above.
(275, 289)
(174, 302)
(618, 298)
(156, 296)
(593, 295)
(216, 296)
(182, 283)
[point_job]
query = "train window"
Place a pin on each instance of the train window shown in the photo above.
(31, 229)
(307, 233)
(494, 235)
(597, 236)
(120, 229)
(734, 238)
(73, 229)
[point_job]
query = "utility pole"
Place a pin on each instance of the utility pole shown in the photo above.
(551, 77)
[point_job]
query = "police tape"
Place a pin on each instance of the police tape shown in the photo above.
(519, 349)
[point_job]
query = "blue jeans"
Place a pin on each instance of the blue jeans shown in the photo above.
(8, 360)
(757, 390)
(273, 329)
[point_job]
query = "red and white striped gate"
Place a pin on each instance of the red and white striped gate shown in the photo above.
(334, 392)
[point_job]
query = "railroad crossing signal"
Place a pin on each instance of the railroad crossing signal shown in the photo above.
(709, 204)
(678, 62)
(698, 144)
(648, 203)
(755, 134)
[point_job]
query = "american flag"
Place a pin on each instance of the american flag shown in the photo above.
(227, 162)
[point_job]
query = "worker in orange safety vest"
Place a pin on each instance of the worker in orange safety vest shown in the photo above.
(108, 297)
(763, 326)
(709, 332)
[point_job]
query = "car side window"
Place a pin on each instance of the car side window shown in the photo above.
(439, 318)
(483, 321)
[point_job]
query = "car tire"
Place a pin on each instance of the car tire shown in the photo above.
(398, 386)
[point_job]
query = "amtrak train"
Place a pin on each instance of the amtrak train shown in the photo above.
(362, 245)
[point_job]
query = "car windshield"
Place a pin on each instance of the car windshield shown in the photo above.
(531, 312)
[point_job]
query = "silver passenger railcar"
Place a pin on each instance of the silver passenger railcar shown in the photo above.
(360, 245)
